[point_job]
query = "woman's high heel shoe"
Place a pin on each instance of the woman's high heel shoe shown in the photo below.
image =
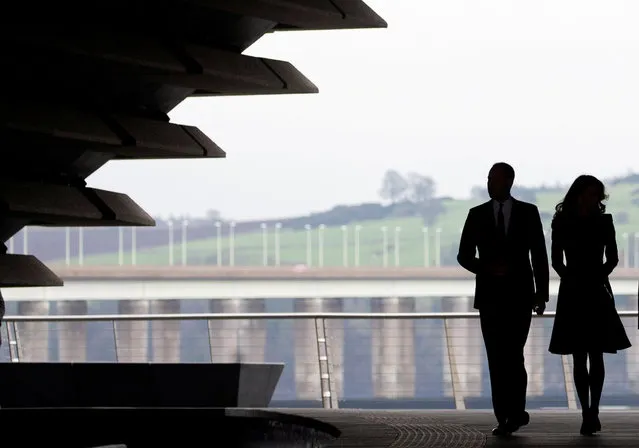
(588, 425)
(596, 424)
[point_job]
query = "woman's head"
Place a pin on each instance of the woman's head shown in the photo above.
(586, 195)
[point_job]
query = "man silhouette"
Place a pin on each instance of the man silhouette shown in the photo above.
(498, 242)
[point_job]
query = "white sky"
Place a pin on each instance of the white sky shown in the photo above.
(450, 87)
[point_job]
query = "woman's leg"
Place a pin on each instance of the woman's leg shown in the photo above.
(596, 379)
(580, 375)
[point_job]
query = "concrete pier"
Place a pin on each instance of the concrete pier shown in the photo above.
(535, 354)
(466, 349)
(72, 336)
(632, 354)
(307, 381)
(234, 340)
(132, 337)
(393, 350)
(33, 337)
(165, 335)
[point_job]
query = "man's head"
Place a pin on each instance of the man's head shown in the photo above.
(500, 180)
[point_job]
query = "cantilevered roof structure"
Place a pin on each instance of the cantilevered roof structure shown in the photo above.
(84, 85)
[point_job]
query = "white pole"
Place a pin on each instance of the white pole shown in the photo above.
(384, 246)
(396, 243)
(438, 247)
(278, 226)
(120, 246)
(67, 245)
(185, 241)
(345, 246)
(357, 230)
(426, 241)
(232, 244)
(309, 246)
(171, 243)
(134, 245)
(636, 250)
(81, 246)
(25, 241)
(218, 241)
(626, 251)
(320, 245)
(264, 244)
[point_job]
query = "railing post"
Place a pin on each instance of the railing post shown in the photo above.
(329, 369)
(570, 387)
(16, 342)
(115, 340)
(209, 328)
(323, 363)
(460, 404)
(11, 342)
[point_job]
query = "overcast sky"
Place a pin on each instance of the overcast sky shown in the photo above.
(450, 87)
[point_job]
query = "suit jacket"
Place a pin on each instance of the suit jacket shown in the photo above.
(480, 246)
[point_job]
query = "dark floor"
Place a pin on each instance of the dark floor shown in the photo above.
(469, 429)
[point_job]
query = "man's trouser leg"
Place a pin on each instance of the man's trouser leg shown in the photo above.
(518, 328)
(493, 341)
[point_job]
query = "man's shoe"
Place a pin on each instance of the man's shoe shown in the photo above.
(502, 430)
(515, 423)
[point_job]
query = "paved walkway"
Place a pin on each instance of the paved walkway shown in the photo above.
(470, 429)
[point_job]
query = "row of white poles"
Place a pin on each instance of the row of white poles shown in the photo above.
(265, 244)
(345, 245)
(277, 245)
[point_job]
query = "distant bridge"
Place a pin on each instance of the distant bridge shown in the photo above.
(281, 273)
(207, 282)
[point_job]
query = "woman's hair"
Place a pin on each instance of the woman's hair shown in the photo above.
(568, 206)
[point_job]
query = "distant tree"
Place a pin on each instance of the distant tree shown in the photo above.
(630, 178)
(394, 187)
(421, 189)
(212, 215)
(421, 193)
(622, 218)
(479, 193)
(525, 194)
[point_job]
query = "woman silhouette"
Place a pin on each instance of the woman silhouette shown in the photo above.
(587, 324)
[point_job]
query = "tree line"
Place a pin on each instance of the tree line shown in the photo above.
(401, 195)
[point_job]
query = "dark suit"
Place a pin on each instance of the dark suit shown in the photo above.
(505, 302)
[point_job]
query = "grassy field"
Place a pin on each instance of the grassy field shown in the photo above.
(293, 244)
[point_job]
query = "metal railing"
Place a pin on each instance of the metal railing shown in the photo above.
(318, 341)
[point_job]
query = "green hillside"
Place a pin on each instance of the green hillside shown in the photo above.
(293, 246)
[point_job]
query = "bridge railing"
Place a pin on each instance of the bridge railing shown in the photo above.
(332, 359)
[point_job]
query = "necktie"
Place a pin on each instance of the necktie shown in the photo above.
(501, 223)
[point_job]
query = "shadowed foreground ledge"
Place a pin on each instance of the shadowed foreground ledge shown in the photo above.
(470, 429)
(165, 427)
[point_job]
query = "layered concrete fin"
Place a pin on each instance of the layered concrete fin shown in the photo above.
(305, 14)
(46, 127)
(25, 270)
(63, 205)
(145, 59)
